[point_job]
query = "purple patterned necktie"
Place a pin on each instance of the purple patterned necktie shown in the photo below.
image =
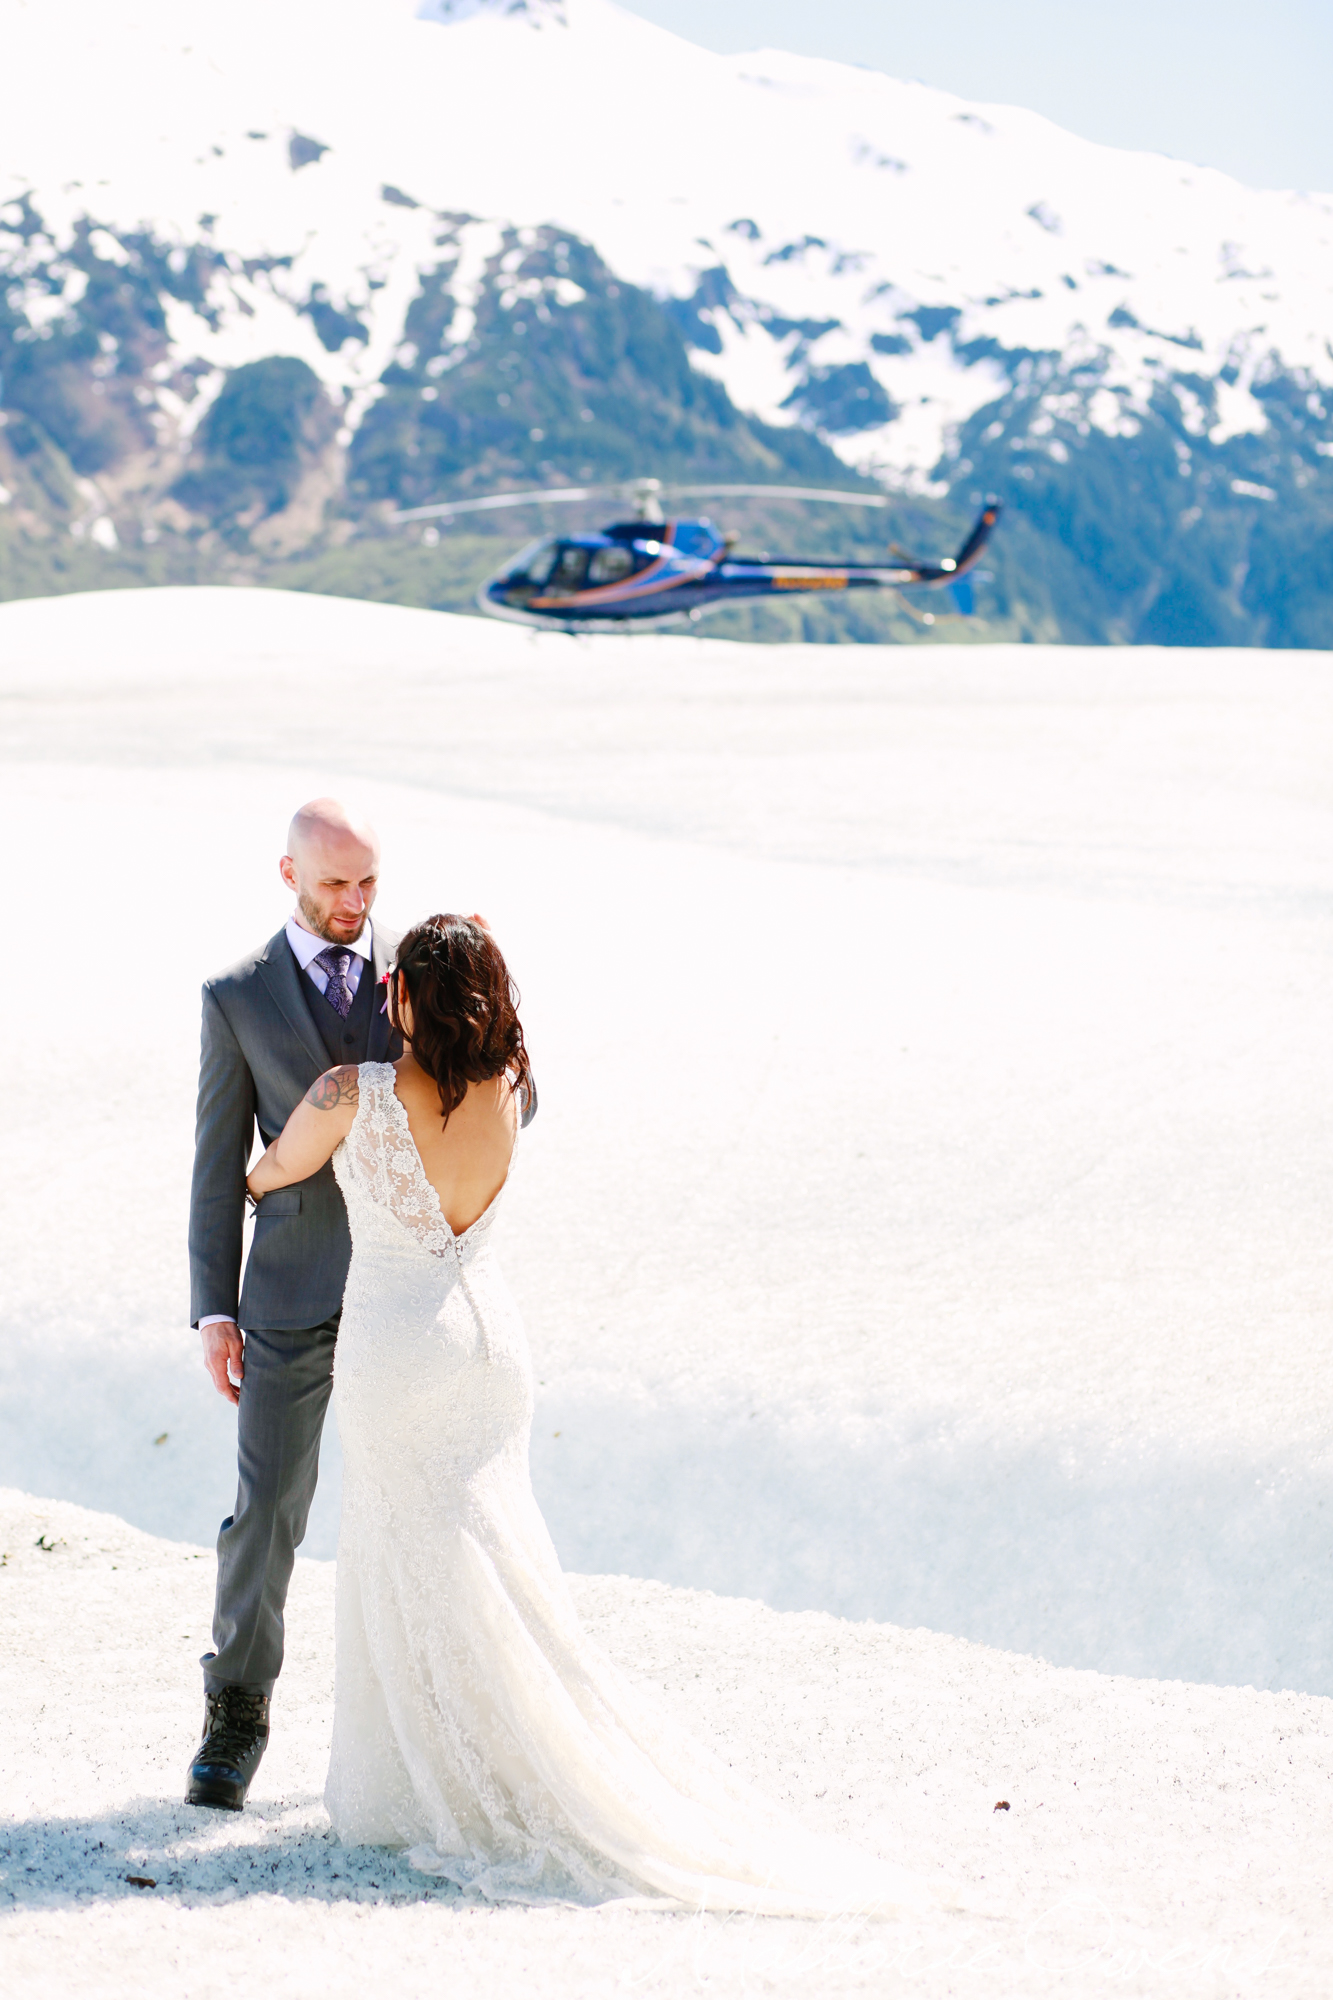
(338, 993)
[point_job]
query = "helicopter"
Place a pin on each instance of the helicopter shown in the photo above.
(650, 571)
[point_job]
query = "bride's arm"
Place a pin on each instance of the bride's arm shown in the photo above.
(311, 1135)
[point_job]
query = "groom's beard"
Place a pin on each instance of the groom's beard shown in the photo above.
(317, 922)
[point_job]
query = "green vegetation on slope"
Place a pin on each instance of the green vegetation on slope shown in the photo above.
(1166, 532)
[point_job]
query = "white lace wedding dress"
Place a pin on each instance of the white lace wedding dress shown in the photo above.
(475, 1723)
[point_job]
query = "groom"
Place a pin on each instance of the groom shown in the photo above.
(310, 999)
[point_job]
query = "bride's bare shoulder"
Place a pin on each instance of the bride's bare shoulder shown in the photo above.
(336, 1089)
(496, 1099)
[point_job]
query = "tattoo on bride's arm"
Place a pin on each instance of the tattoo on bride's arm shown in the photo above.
(335, 1087)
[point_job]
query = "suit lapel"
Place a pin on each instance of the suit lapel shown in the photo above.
(282, 977)
(383, 949)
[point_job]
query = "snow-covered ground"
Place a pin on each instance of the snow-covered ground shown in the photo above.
(1159, 1839)
(925, 1223)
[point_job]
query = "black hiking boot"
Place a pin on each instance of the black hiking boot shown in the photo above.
(235, 1738)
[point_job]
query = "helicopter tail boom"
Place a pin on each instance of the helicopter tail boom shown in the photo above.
(909, 569)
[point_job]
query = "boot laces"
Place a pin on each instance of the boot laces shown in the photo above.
(239, 1721)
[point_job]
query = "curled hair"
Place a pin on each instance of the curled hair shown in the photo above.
(465, 1025)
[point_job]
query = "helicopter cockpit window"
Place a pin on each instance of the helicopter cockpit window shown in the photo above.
(571, 569)
(532, 564)
(610, 565)
(538, 567)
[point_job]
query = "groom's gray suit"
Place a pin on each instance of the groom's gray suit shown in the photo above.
(268, 1032)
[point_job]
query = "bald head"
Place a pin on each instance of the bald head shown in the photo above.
(332, 863)
(324, 821)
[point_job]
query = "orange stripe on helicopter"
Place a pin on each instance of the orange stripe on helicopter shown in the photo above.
(627, 589)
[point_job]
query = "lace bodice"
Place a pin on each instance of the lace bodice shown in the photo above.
(379, 1162)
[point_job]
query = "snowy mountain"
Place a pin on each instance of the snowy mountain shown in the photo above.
(493, 240)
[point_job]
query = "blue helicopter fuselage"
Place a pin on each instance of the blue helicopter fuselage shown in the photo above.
(647, 572)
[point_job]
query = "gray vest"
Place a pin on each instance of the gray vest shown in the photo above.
(346, 1041)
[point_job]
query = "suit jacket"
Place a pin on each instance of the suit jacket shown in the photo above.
(260, 1053)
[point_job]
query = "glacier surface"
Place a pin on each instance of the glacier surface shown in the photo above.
(926, 1219)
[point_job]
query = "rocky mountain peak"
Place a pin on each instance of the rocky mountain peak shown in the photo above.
(775, 256)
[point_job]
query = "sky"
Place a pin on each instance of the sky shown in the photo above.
(1223, 83)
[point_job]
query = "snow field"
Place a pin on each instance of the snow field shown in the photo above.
(925, 1220)
(924, 1223)
(1160, 1838)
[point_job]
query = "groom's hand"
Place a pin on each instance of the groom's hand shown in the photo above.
(224, 1357)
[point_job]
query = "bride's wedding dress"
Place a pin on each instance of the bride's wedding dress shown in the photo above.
(475, 1723)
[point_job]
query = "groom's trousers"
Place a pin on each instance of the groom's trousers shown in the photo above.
(284, 1396)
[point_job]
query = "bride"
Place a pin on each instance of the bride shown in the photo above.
(475, 1724)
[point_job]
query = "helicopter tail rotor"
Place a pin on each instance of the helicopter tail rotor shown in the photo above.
(952, 567)
(981, 533)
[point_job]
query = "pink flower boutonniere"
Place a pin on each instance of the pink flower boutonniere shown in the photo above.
(384, 979)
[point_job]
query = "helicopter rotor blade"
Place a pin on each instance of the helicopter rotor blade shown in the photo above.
(555, 496)
(552, 496)
(841, 499)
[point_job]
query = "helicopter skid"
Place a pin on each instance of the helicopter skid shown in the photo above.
(545, 621)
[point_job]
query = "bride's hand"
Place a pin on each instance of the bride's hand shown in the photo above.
(264, 1175)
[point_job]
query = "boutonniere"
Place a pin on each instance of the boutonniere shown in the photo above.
(384, 979)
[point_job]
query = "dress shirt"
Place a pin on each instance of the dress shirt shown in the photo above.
(306, 948)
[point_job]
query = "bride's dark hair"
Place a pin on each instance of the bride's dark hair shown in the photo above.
(465, 1025)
